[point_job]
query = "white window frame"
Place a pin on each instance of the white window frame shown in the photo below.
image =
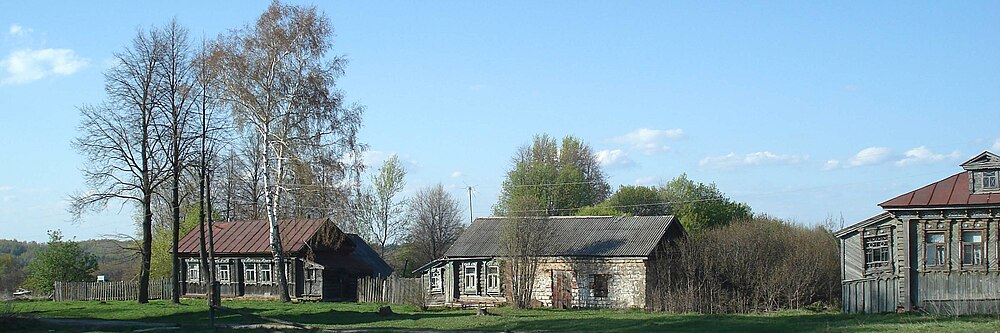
(249, 273)
(473, 276)
(261, 276)
(941, 257)
(193, 271)
(434, 278)
(223, 273)
(876, 247)
(493, 279)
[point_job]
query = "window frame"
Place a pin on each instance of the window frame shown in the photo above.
(470, 288)
(877, 252)
(219, 272)
(250, 273)
(990, 181)
(434, 278)
(261, 270)
(600, 285)
(941, 255)
(493, 279)
(981, 248)
(193, 272)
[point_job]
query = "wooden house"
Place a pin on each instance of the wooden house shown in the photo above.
(321, 261)
(591, 262)
(933, 249)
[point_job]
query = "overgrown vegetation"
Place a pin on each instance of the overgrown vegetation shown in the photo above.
(60, 260)
(756, 265)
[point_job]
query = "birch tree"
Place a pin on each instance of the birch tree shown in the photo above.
(436, 221)
(122, 144)
(276, 77)
(380, 209)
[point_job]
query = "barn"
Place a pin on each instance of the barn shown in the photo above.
(591, 262)
(322, 262)
(932, 249)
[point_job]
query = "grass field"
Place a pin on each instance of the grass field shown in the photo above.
(192, 316)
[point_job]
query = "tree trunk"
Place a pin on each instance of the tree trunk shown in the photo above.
(270, 201)
(147, 245)
(175, 277)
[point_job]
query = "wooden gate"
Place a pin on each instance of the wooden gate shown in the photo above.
(562, 289)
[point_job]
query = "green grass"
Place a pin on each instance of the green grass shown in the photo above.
(193, 315)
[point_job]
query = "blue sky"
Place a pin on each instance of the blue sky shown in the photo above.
(801, 109)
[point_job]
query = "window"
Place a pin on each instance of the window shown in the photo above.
(471, 277)
(435, 280)
(990, 180)
(193, 272)
(972, 247)
(935, 249)
(265, 273)
(223, 273)
(877, 252)
(599, 284)
(311, 274)
(493, 279)
(250, 272)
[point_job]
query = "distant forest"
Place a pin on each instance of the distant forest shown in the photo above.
(115, 260)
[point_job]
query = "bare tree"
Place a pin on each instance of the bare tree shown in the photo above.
(524, 236)
(379, 208)
(436, 221)
(280, 84)
(122, 143)
(178, 100)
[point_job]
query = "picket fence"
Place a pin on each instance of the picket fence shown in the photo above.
(109, 291)
(392, 289)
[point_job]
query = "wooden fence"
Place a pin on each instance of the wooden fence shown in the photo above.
(109, 291)
(391, 289)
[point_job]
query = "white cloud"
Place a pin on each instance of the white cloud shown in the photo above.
(457, 174)
(869, 156)
(650, 140)
(645, 181)
(27, 65)
(923, 155)
(614, 157)
(18, 30)
(752, 159)
(6, 188)
(996, 146)
(831, 164)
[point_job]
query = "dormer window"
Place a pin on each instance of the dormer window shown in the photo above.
(990, 180)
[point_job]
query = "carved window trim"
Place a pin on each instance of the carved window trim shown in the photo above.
(943, 248)
(470, 278)
(493, 279)
(877, 247)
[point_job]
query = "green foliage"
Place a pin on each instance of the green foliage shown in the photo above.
(160, 262)
(561, 179)
(602, 209)
(699, 206)
(60, 261)
(638, 201)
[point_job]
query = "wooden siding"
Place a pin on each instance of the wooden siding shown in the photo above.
(870, 295)
(394, 290)
(854, 257)
(958, 292)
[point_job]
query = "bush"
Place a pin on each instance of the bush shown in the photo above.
(758, 265)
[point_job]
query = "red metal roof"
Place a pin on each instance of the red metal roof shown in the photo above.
(950, 191)
(253, 237)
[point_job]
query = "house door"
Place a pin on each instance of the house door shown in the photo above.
(562, 289)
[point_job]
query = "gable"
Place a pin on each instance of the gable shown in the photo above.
(605, 236)
(985, 160)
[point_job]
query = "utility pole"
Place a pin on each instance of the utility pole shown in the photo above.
(471, 214)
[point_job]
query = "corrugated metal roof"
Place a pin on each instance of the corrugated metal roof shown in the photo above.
(253, 237)
(610, 236)
(951, 191)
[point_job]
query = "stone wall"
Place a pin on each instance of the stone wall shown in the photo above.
(626, 284)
